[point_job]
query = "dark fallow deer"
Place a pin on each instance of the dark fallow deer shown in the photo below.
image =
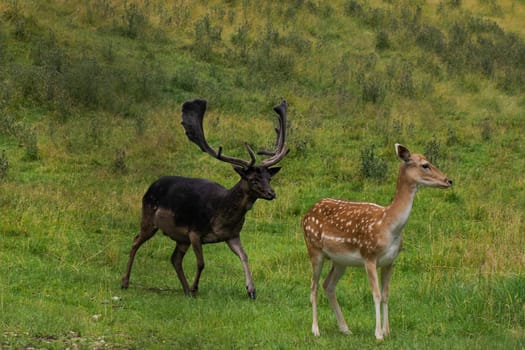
(364, 234)
(194, 212)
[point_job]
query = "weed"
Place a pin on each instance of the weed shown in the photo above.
(240, 41)
(353, 8)
(486, 130)
(4, 165)
(207, 37)
(452, 137)
(296, 41)
(119, 163)
(373, 88)
(431, 38)
(150, 80)
(186, 78)
(382, 40)
(433, 150)
(372, 166)
(10, 126)
(31, 146)
(180, 13)
(134, 21)
(406, 83)
(108, 52)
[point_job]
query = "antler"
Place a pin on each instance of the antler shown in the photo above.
(280, 147)
(193, 115)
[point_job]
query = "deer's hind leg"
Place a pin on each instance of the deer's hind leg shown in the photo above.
(176, 261)
(177, 257)
(335, 274)
(147, 230)
(317, 261)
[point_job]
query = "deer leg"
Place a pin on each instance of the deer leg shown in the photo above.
(176, 261)
(317, 266)
(386, 273)
(329, 285)
(236, 246)
(147, 230)
(197, 249)
(371, 270)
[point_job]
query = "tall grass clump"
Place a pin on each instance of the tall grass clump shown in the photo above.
(119, 163)
(373, 166)
(207, 37)
(433, 150)
(32, 151)
(4, 164)
(241, 42)
(134, 21)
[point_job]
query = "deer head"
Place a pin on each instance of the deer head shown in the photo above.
(419, 170)
(256, 177)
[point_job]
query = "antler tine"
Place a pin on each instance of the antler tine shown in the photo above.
(280, 148)
(192, 116)
(252, 154)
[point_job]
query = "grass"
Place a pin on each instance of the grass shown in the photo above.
(90, 96)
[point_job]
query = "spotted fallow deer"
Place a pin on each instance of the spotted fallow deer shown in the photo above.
(194, 212)
(364, 234)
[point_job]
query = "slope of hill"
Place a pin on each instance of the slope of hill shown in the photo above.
(90, 96)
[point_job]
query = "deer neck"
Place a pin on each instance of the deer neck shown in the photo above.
(237, 202)
(399, 210)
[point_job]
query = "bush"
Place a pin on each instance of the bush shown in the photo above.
(4, 165)
(240, 41)
(186, 78)
(430, 38)
(486, 130)
(31, 146)
(406, 82)
(433, 150)
(134, 21)
(207, 37)
(373, 88)
(119, 163)
(353, 8)
(382, 40)
(371, 165)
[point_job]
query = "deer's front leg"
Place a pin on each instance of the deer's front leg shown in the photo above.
(371, 270)
(386, 273)
(236, 246)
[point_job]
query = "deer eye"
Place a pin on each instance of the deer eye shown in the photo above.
(425, 166)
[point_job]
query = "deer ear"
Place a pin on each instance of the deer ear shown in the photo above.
(402, 152)
(274, 170)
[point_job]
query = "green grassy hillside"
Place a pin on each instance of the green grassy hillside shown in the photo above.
(90, 96)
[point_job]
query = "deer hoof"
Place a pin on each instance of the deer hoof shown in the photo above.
(251, 295)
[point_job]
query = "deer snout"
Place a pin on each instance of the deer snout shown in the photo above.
(447, 183)
(269, 195)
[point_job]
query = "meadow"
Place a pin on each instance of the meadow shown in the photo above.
(90, 112)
